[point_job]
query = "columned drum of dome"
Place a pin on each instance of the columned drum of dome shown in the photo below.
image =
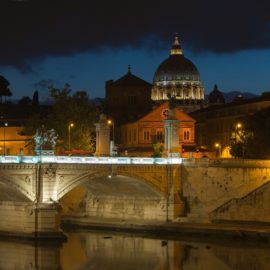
(177, 76)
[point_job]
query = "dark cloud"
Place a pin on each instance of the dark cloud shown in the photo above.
(33, 29)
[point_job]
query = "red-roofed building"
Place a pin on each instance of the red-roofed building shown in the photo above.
(137, 138)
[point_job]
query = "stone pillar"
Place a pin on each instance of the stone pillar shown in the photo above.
(31, 220)
(175, 204)
(102, 137)
(171, 127)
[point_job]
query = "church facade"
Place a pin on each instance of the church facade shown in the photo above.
(138, 138)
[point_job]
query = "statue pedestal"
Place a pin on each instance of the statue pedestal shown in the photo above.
(44, 152)
(172, 145)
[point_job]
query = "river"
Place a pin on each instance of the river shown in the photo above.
(120, 251)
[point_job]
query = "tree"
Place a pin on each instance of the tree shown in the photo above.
(239, 142)
(35, 100)
(25, 101)
(4, 89)
(157, 149)
(66, 109)
(252, 139)
(259, 125)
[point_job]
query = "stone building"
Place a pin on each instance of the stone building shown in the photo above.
(127, 98)
(215, 124)
(137, 138)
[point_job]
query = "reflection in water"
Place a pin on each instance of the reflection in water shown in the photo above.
(114, 251)
(111, 251)
(28, 256)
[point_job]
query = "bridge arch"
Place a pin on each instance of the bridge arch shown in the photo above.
(104, 178)
(20, 186)
(117, 196)
(10, 193)
(72, 183)
(155, 177)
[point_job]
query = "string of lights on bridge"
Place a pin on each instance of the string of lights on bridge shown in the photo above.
(89, 160)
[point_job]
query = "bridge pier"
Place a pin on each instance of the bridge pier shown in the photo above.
(176, 208)
(175, 203)
(30, 220)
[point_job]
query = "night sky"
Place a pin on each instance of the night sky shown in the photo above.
(84, 43)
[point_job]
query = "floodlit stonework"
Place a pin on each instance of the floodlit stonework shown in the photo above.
(196, 190)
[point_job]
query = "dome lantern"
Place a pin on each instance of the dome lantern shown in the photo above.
(176, 47)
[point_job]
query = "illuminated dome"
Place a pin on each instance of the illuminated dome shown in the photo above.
(177, 76)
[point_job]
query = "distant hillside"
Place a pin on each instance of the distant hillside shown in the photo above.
(229, 96)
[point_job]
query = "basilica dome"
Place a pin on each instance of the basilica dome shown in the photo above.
(177, 76)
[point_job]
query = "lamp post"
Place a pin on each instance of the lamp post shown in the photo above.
(241, 136)
(5, 125)
(218, 146)
(111, 123)
(70, 125)
(238, 125)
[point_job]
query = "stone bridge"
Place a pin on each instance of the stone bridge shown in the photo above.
(41, 182)
(193, 190)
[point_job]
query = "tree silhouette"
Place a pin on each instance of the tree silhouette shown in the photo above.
(4, 88)
(66, 108)
(35, 101)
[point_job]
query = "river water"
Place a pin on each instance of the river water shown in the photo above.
(117, 251)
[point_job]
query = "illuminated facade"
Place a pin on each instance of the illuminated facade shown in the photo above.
(137, 138)
(13, 118)
(177, 76)
(11, 142)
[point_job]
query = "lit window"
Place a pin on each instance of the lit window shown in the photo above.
(186, 134)
(159, 135)
(146, 135)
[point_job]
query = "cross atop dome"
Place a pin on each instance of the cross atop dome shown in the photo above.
(176, 47)
(129, 68)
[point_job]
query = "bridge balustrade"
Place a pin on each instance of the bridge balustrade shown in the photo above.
(88, 160)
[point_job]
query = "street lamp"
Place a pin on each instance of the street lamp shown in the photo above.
(238, 125)
(5, 125)
(70, 125)
(111, 123)
(218, 146)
